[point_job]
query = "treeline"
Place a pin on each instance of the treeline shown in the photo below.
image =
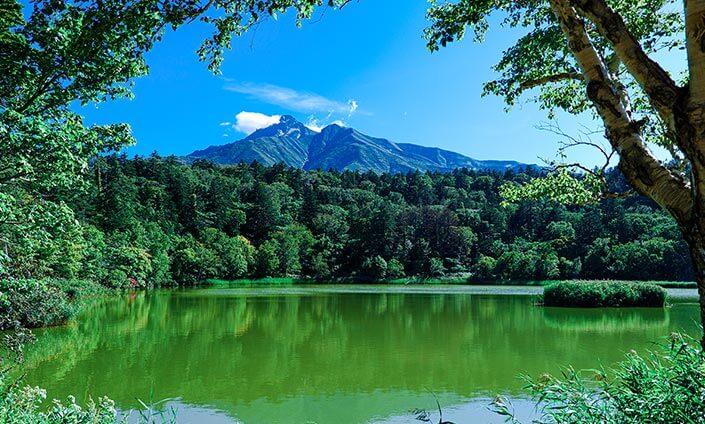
(156, 221)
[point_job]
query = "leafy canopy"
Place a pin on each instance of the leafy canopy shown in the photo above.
(540, 66)
(63, 53)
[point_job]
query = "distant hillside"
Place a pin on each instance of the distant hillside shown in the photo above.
(336, 147)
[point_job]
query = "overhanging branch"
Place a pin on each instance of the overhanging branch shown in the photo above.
(662, 91)
(563, 76)
(644, 172)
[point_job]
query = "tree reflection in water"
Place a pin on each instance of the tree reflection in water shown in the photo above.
(327, 356)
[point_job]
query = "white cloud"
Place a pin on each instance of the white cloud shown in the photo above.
(249, 122)
(313, 126)
(225, 124)
(353, 106)
(316, 125)
(300, 101)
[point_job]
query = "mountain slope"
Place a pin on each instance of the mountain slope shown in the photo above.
(336, 147)
(286, 142)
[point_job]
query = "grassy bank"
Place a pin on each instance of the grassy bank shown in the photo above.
(460, 280)
(588, 294)
(42, 303)
(259, 281)
(32, 303)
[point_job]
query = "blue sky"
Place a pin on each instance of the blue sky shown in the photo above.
(366, 66)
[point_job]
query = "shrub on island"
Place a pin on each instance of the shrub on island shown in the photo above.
(593, 294)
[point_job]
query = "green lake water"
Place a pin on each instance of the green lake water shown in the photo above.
(333, 354)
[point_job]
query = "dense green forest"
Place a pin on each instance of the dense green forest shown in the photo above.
(157, 221)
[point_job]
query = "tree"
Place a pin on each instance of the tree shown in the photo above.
(231, 251)
(268, 259)
(375, 267)
(580, 55)
(436, 268)
(395, 269)
(294, 242)
(194, 263)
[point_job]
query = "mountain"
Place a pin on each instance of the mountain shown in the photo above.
(336, 147)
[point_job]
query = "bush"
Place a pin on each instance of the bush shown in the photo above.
(194, 263)
(27, 406)
(41, 303)
(33, 303)
(375, 267)
(436, 268)
(268, 259)
(78, 289)
(395, 269)
(587, 294)
(661, 387)
(116, 279)
(485, 267)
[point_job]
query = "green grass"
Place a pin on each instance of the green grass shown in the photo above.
(590, 294)
(662, 386)
(434, 280)
(421, 280)
(263, 281)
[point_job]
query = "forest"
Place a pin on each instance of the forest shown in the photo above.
(153, 221)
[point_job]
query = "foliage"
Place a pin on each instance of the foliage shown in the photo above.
(436, 268)
(375, 267)
(664, 386)
(40, 303)
(267, 259)
(561, 186)
(25, 406)
(395, 269)
(541, 65)
(57, 54)
(329, 225)
(603, 293)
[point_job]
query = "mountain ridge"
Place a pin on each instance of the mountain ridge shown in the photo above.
(336, 147)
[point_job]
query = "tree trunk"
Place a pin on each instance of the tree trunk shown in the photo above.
(696, 244)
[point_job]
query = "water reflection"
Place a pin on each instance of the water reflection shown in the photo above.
(328, 357)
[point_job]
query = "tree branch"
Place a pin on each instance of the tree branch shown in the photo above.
(574, 141)
(527, 85)
(41, 90)
(695, 45)
(662, 91)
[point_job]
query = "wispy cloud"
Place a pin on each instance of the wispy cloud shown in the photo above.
(249, 122)
(300, 101)
(317, 125)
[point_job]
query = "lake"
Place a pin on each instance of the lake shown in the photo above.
(334, 354)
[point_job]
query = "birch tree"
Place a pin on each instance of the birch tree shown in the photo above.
(597, 56)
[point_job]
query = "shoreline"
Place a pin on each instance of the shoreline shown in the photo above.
(457, 281)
